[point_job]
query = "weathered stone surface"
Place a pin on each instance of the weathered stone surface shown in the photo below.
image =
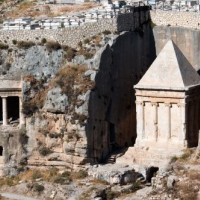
(184, 38)
(118, 174)
(56, 101)
(171, 181)
(111, 104)
(83, 109)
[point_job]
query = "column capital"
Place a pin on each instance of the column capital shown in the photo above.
(154, 104)
(168, 105)
(181, 104)
(140, 103)
(4, 96)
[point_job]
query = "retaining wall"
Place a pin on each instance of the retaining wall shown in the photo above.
(72, 35)
(176, 18)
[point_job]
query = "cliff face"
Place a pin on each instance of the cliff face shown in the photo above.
(36, 60)
(185, 38)
(112, 120)
(79, 110)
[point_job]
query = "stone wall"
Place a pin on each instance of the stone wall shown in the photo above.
(71, 36)
(176, 18)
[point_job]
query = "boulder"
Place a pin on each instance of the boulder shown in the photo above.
(113, 174)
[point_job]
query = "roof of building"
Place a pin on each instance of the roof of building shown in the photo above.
(170, 71)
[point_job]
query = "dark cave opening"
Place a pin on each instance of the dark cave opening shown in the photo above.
(1, 114)
(151, 173)
(1, 151)
(13, 108)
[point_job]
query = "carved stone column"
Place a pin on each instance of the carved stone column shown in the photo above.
(155, 120)
(5, 111)
(168, 120)
(21, 115)
(182, 135)
(140, 119)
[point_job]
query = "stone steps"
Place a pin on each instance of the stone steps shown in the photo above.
(111, 159)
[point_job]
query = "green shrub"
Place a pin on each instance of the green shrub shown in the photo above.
(86, 41)
(184, 156)
(36, 174)
(44, 151)
(25, 44)
(81, 174)
(52, 45)
(7, 66)
(62, 179)
(88, 55)
(9, 181)
(3, 46)
(29, 108)
(106, 32)
(62, 25)
(174, 159)
(66, 174)
(65, 47)
(80, 44)
(152, 24)
(111, 195)
(14, 42)
(43, 41)
(70, 54)
(10, 50)
(53, 171)
(23, 138)
(38, 188)
(136, 185)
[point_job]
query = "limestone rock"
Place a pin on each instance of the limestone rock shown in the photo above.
(117, 174)
(83, 109)
(56, 102)
(171, 181)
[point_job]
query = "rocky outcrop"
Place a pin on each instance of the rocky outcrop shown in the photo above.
(113, 174)
(36, 60)
(56, 102)
(112, 121)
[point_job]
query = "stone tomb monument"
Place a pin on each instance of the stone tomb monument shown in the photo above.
(11, 117)
(168, 109)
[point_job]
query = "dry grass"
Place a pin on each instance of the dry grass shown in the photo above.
(69, 77)
(48, 175)
(29, 78)
(97, 39)
(76, 8)
(32, 105)
(186, 191)
(99, 182)
(25, 8)
(194, 175)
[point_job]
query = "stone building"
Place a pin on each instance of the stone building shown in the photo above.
(168, 110)
(11, 119)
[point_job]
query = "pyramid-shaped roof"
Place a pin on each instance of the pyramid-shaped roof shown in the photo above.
(171, 71)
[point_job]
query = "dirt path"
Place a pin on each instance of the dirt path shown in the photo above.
(16, 196)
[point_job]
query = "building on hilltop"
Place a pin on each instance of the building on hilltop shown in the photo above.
(168, 109)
